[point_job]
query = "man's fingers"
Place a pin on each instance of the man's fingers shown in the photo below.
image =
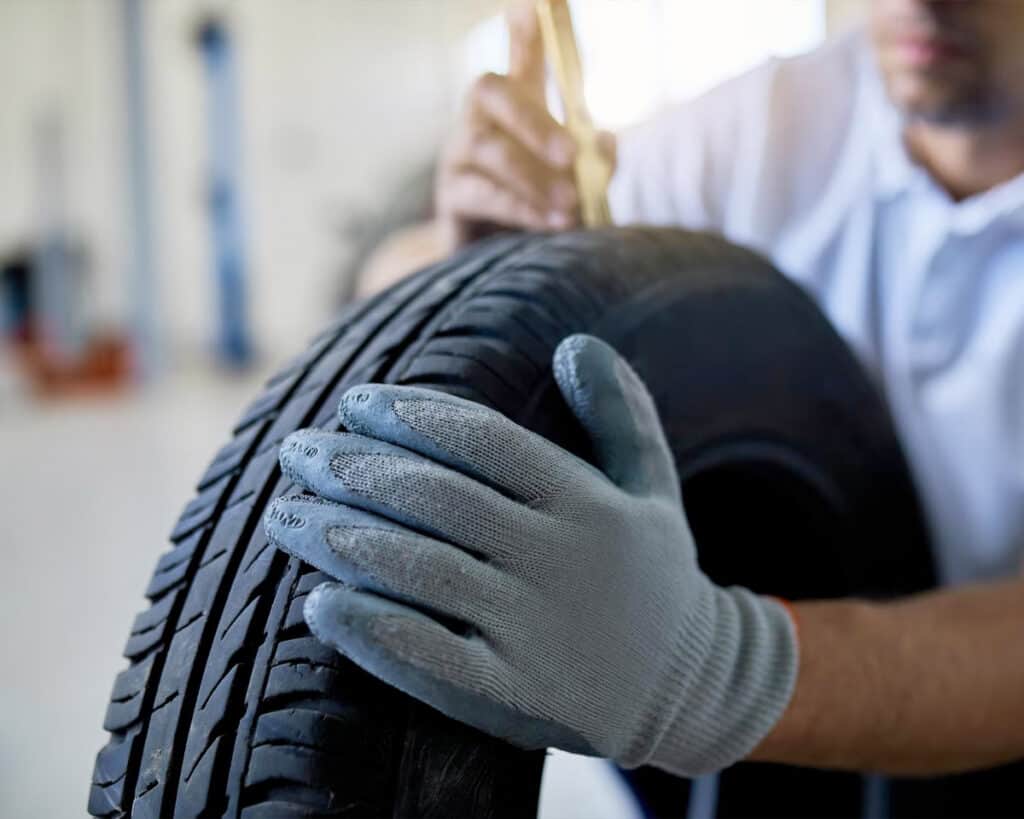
(473, 195)
(526, 47)
(370, 552)
(465, 436)
(502, 158)
(406, 488)
(509, 106)
(511, 164)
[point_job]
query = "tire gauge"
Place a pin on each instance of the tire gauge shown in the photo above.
(592, 170)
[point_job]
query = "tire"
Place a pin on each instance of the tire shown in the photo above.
(791, 473)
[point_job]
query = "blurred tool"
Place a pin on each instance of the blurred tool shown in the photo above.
(592, 171)
(56, 344)
(234, 346)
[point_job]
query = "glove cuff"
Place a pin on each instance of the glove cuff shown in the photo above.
(743, 685)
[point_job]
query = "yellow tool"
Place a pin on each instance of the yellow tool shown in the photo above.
(592, 171)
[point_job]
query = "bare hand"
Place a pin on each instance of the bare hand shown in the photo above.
(510, 163)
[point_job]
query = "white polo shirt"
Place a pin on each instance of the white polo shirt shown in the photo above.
(803, 160)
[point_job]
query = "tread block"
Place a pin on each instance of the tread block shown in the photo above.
(296, 681)
(199, 788)
(310, 774)
(126, 699)
(236, 618)
(259, 558)
(106, 801)
(301, 362)
(112, 760)
(308, 651)
(309, 581)
(150, 627)
(534, 319)
(491, 354)
(293, 618)
(444, 369)
(131, 681)
(209, 724)
(147, 801)
(299, 764)
(231, 456)
(267, 403)
(219, 676)
(250, 485)
(200, 510)
(302, 727)
(176, 571)
(153, 616)
(208, 578)
(180, 553)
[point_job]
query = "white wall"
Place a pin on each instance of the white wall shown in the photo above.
(338, 99)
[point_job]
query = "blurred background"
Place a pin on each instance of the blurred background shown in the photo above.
(188, 191)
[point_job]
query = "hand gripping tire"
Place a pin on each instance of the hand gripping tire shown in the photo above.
(791, 473)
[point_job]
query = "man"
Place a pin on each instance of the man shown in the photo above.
(887, 178)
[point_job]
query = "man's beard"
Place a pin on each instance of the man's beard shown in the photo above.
(977, 108)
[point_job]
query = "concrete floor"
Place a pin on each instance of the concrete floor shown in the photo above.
(89, 490)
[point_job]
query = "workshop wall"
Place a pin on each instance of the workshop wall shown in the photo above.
(338, 99)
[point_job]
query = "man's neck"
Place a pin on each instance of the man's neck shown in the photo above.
(967, 161)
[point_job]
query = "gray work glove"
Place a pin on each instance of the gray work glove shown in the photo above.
(517, 588)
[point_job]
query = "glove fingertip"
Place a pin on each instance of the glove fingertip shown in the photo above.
(580, 362)
(361, 403)
(370, 409)
(295, 452)
(567, 354)
(325, 600)
(351, 620)
(615, 408)
(277, 518)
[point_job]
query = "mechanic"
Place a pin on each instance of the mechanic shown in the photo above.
(885, 173)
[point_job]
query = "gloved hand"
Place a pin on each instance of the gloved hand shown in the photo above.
(517, 588)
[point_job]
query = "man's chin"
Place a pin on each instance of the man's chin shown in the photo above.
(954, 110)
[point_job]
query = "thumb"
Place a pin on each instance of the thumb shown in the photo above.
(615, 408)
(526, 47)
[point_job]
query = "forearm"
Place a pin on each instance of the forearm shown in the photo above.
(927, 685)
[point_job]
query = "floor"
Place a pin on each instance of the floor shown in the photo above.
(88, 492)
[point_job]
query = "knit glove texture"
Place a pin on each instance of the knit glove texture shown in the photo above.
(515, 587)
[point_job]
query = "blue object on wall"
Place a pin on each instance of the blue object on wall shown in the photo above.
(226, 225)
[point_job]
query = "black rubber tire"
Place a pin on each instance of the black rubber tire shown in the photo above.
(792, 478)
